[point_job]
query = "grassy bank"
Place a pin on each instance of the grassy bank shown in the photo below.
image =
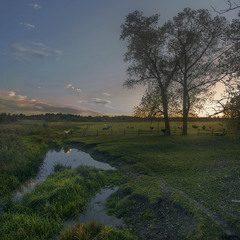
(177, 172)
(96, 231)
(63, 195)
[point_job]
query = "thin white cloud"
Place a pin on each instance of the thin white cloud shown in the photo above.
(34, 5)
(26, 50)
(106, 94)
(28, 25)
(101, 102)
(82, 101)
(70, 86)
(12, 95)
(97, 102)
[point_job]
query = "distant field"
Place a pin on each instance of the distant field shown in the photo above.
(144, 127)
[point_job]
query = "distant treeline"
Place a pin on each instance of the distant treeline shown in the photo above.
(58, 117)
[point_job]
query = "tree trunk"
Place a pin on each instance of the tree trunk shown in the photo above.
(184, 129)
(185, 107)
(165, 115)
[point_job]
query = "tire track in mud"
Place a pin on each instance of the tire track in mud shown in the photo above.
(227, 229)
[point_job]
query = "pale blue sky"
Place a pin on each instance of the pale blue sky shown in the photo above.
(68, 53)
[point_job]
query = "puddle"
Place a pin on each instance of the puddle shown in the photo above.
(71, 157)
(75, 158)
(97, 212)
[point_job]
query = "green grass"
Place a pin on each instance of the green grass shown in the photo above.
(19, 226)
(96, 231)
(62, 195)
(66, 193)
(204, 167)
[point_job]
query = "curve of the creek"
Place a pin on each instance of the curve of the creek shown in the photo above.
(74, 158)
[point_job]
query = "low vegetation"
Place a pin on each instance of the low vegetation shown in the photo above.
(66, 193)
(177, 187)
(95, 231)
(62, 195)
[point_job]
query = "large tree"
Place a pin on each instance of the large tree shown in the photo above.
(195, 39)
(150, 63)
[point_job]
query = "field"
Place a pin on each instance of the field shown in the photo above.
(177, 187)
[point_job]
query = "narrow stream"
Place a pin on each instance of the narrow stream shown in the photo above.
(72, 158)
(75, 158)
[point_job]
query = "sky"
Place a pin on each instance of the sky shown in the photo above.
(66, 55)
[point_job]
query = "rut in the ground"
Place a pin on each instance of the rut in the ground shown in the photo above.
(228, 230)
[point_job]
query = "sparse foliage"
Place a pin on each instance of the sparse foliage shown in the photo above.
(230, 65)
(183, 54)
(150, 63)
(231, 110)
(195, 39)
(151, 103)
(231, 5)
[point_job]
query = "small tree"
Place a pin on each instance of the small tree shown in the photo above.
(231, 111)
(151, 103)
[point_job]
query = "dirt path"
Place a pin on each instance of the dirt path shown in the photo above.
(227, 229)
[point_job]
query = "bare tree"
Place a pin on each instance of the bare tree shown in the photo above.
(150, 62)
(195, 39)
(231, 5)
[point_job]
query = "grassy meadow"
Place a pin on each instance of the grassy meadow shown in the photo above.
(177, 187)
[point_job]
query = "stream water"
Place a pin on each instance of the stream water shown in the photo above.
(75, 158)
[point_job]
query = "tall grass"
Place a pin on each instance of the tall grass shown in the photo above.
(96, 231)
(18, 161)
(66, 193)
(62, 195)
(22, 149)
(28, 226)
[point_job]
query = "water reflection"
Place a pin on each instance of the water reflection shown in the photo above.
(67, 157)
(97, 212)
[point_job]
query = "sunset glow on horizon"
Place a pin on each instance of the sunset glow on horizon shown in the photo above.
(66, 56)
